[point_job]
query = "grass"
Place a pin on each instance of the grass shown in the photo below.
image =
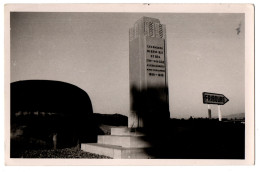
(60, 153)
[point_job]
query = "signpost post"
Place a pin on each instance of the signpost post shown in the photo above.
(213, 98)
(219, 114)
(209, 111)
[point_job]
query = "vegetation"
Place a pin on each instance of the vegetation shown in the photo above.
(193, 138)
(73, 152)
(199, 139)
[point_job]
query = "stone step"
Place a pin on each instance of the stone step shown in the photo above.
(124, 141)
(116, 152)
(125, 131)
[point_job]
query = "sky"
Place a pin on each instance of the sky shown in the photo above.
(91, 50)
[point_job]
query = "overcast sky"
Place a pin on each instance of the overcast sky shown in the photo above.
(91, 50)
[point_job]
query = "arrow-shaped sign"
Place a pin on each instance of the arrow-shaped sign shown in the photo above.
(213, 98)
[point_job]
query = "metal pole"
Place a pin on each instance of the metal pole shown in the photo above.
(209, 112)
(219, 114)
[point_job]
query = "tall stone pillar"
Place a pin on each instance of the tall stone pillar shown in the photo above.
(148, 73)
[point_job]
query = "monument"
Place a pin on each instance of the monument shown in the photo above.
(148, 73)
(149, 107)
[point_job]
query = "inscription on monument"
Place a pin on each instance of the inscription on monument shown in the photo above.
(155, 61)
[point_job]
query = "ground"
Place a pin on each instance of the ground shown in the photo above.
(60, 153)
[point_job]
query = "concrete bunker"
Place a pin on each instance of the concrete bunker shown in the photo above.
(43, 110)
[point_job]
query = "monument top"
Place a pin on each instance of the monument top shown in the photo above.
(147, 26)
(148, 19)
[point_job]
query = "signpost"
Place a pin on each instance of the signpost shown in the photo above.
(213, 98)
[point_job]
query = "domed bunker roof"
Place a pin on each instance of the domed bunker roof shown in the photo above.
(42, 107)
(53, 96)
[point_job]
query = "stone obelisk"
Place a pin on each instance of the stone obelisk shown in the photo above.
(148, 73)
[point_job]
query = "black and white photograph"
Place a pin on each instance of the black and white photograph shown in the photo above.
(129, 84)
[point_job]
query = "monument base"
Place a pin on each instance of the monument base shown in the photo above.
(123, 143)
(135, 121)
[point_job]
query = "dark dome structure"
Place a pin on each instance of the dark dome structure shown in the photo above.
(40, 108)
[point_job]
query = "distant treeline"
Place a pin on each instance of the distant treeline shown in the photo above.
(111, 119)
